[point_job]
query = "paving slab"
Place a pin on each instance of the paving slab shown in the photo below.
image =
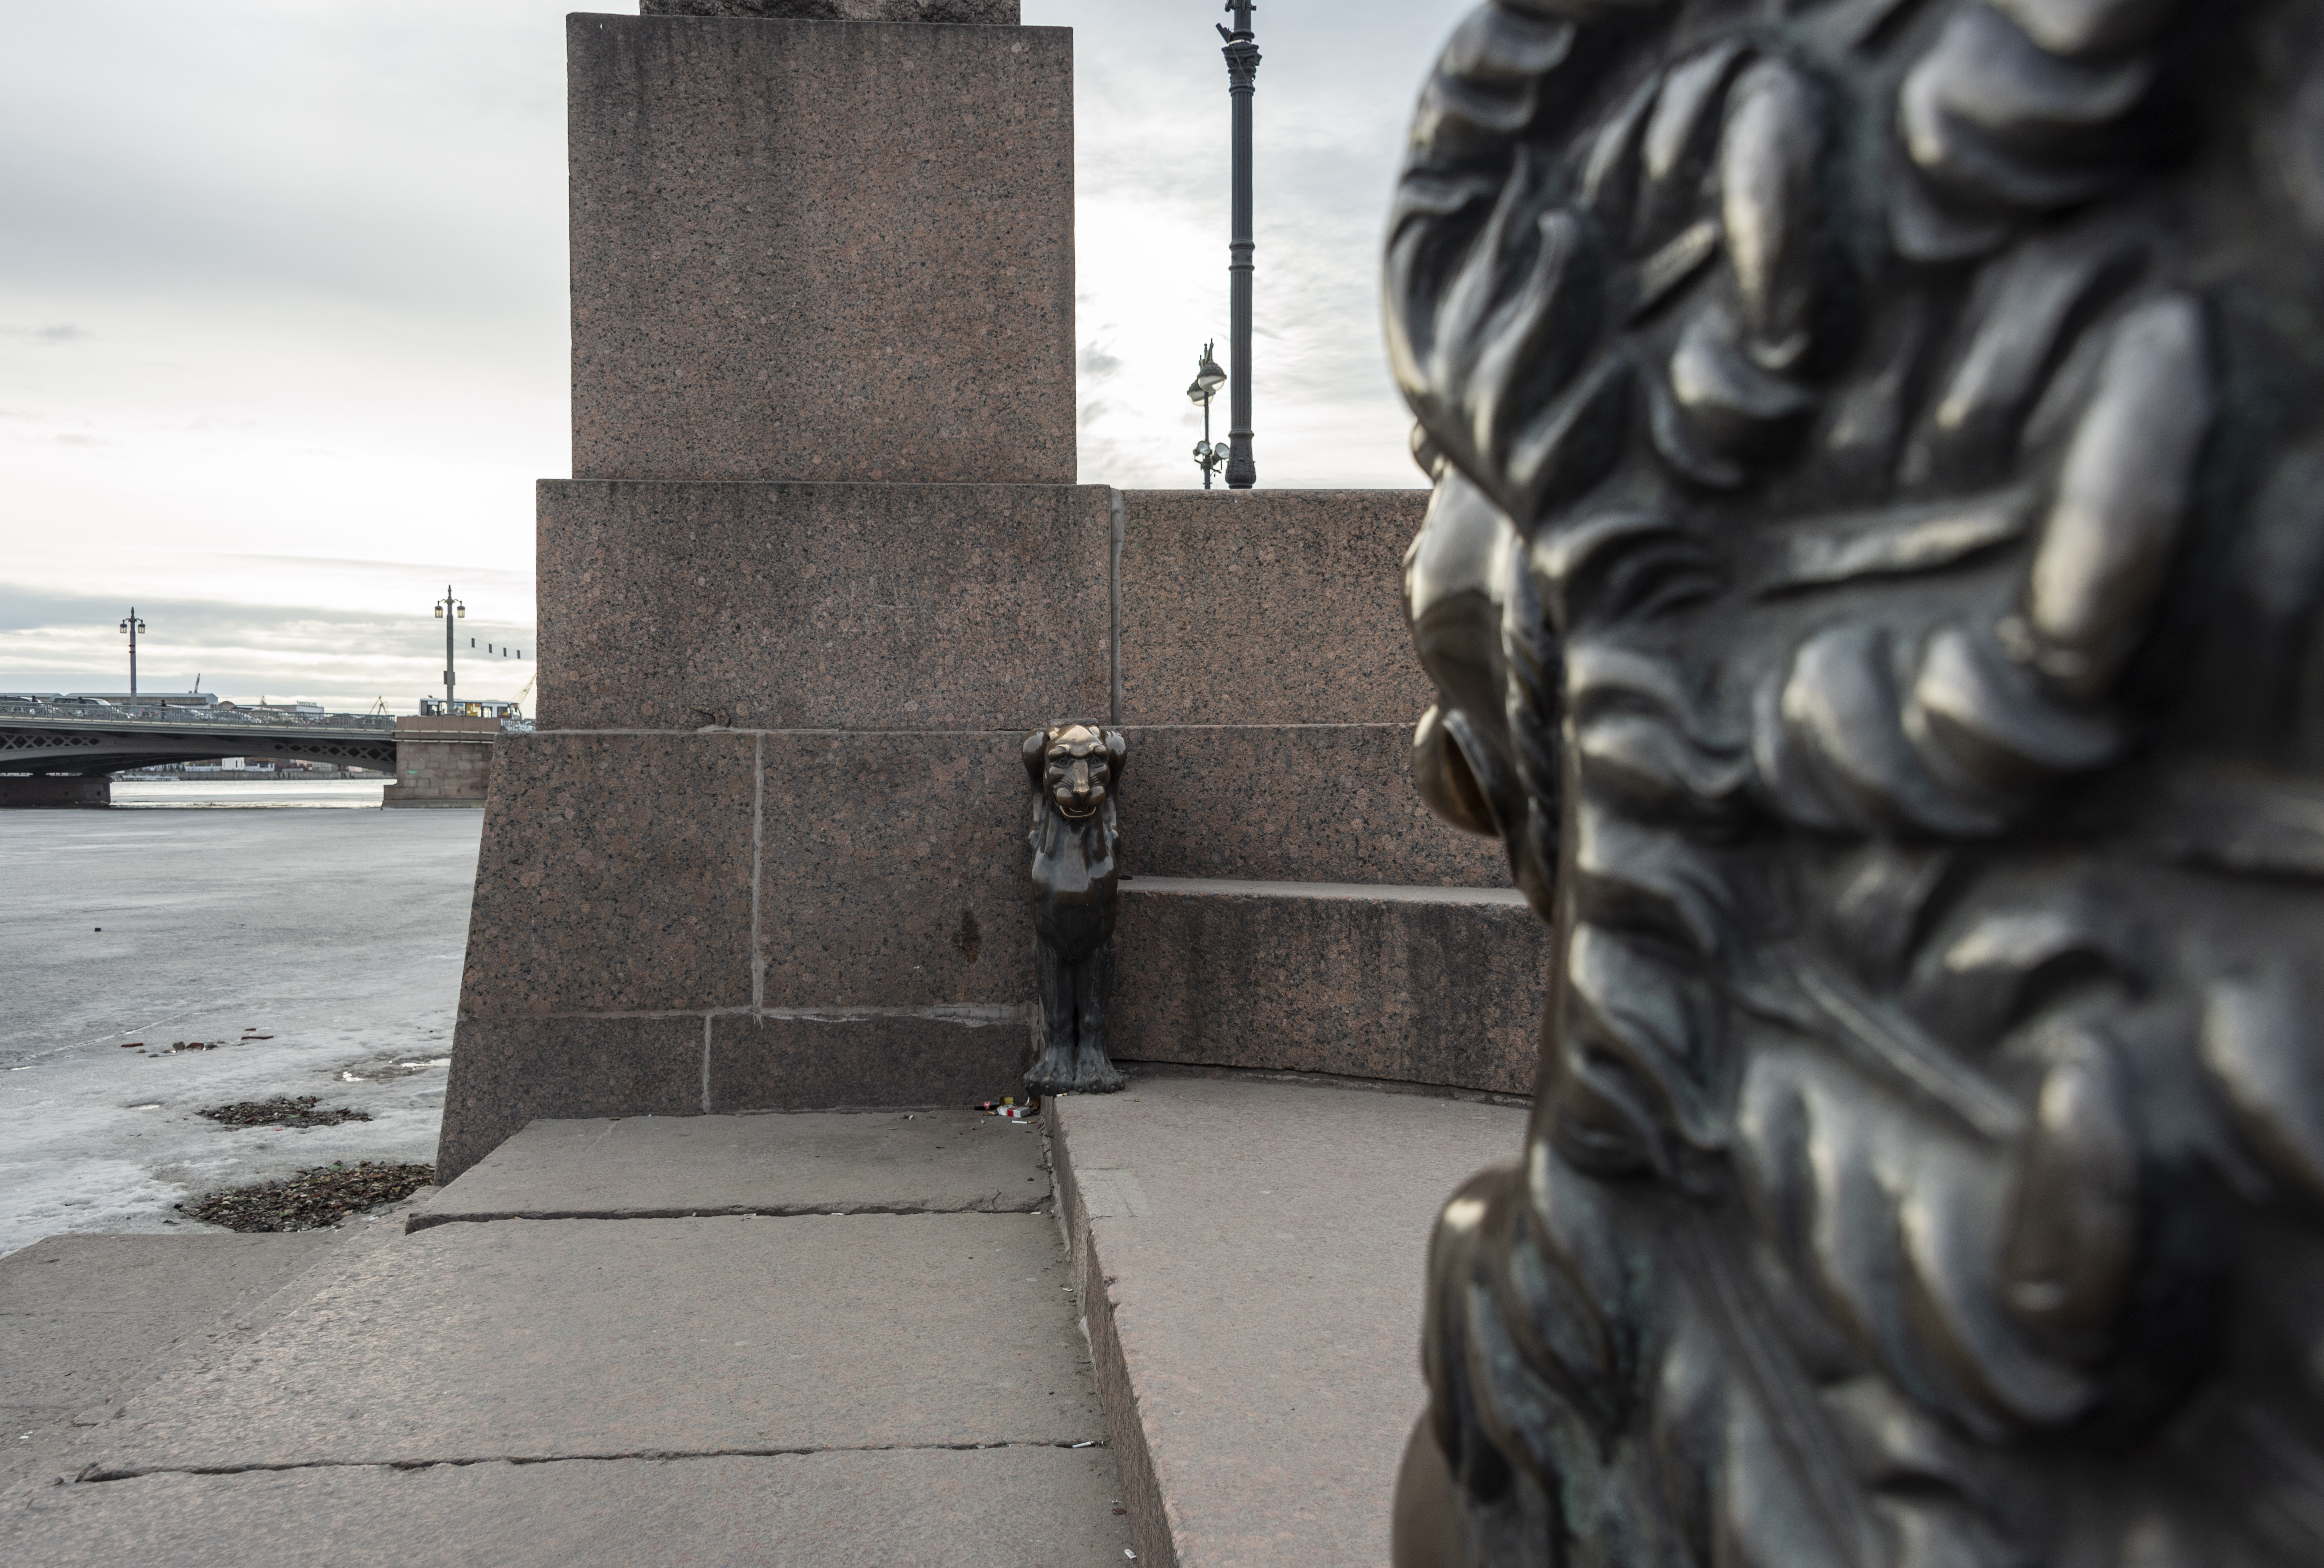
(930, 1162)
(535, 1340)
(1250, 1255)
(1011, 1508)
(83, 1317)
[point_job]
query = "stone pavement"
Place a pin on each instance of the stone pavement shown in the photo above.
(823, 1339)
(897, 1378)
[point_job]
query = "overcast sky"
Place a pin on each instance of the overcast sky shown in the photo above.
(282, 310)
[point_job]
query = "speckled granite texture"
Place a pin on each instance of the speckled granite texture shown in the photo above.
(842, 1060)
(1363, 982)
(1268, 607)
(990, 12)
(507, 1071)
(696, 875)
(803, 251)
(614, 876)
(827, 607)
(1318, 804)
(895, 872)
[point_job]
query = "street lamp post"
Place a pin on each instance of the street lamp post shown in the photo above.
(1208, 379)
(449, 610)
(133, 626)
(1242, 84)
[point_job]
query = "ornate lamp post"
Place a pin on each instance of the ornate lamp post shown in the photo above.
(133, 626)
(1208, 379)
(1242, 84)
(449, 610)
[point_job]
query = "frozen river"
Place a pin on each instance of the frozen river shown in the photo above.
(224, 912)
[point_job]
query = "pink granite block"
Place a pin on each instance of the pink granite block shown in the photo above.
(822, 606)
(1329, 803)
(614, 876)
(843, 1060)
(1420, 986)
(506, 1072)
(808, 251)
(895, 872)
(1268, 607)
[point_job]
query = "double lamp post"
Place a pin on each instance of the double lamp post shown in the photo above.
(1242, 84)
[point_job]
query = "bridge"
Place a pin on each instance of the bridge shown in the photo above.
(70, 752)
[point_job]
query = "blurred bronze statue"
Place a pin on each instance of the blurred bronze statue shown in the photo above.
(1872, 586)
(1075, 771)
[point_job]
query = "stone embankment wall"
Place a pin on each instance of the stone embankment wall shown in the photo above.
(442, 762)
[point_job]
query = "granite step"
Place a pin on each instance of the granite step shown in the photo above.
(854, 1353)
(1443, 986)
(1250, 1257)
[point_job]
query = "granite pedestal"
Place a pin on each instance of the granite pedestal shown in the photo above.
(822, 567)
(816, 250)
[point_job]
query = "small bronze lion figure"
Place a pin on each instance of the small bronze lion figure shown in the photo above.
(1075, 771)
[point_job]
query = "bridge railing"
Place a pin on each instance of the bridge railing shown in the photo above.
(158, 713)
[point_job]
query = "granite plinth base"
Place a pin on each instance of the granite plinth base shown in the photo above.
(1312, 803)
(1442, 986)
(837, 606)
(841, 1059)
(802, 250)
(55, 789)
(508, 1070)
(669, 924)
(1268, 607)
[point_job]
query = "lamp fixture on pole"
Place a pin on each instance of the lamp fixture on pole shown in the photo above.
(1208, 379)
(1242, 84)
(449, 610)
(133, 626)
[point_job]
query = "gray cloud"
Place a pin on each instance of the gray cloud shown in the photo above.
(47, 336)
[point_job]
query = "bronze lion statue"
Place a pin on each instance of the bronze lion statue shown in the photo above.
(1075, 771)
(1873, 587)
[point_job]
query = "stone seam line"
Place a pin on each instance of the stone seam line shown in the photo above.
(757, 868)
(975, 1014)
(1113, 603)
(850, 1210)
(132, 1472)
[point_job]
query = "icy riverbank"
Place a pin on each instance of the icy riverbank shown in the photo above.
(318, 951)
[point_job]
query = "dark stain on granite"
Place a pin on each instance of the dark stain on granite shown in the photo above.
(802, 250)
(1268, 607)
(1447, 994)
(1327, 804)
(614, 876)
(507, 1072)
(821, 606)
(880, 850)
(840, 1063)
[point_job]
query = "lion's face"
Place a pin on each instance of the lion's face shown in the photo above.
(1080, 770)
